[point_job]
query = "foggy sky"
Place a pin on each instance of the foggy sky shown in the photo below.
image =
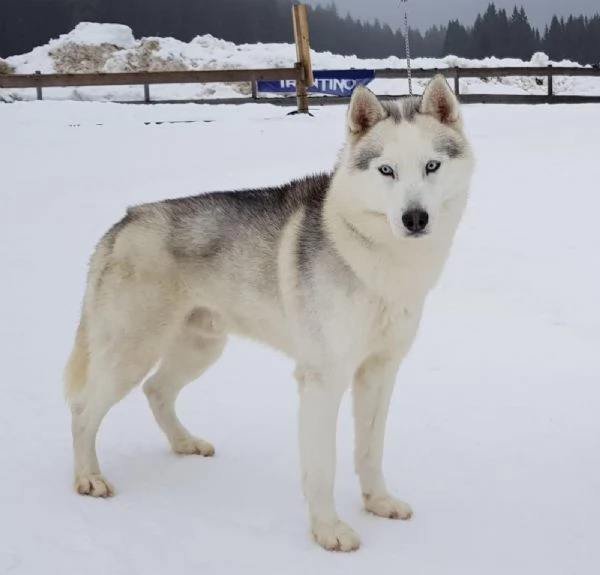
(425, 13)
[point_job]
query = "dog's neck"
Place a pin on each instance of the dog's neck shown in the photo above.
(395, 269)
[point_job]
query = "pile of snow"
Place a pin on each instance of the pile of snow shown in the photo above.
(96, 34)
(147, 55)
(85, 48)
(94, 47)
(81, 58)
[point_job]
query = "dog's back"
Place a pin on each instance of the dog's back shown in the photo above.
(217, 250)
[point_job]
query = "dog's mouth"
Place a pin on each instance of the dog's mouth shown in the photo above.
(398, 229)
(415, 235)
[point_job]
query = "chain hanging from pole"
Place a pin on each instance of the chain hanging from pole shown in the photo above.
(407, 46)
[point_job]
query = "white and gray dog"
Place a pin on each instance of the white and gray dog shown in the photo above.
(333, 270)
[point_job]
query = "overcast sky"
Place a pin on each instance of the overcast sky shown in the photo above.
(425, 13)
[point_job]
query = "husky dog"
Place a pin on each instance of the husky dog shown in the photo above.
(333, 270)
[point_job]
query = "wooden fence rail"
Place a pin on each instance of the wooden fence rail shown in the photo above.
(500, 72)
(548, 72)
(148, 78)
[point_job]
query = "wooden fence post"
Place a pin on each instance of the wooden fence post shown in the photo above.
(301, 38)
(147, 93)
(38, 89)
(550, 81)
(456, 80)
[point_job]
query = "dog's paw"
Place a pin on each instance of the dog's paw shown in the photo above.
(335, 536)
(388, 506)
(194, 446)
(94, 485)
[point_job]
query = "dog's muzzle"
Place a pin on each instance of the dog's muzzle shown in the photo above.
(415, 222)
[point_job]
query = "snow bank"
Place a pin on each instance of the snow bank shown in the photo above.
(94, 47)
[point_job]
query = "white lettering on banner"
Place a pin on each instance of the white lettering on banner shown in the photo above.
(339, 85)
(335, 85)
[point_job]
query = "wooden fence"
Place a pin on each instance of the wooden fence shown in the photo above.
(547, 73)
(298, 74)
(541, 74)
(146, 79)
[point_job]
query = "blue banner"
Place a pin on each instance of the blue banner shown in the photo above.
(329, 82)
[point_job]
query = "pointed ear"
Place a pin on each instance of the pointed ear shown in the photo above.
(364, 111)
(440, 102)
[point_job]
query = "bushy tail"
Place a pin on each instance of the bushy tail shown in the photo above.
(76, 370)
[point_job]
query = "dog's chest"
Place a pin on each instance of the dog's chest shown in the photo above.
(387, 325)
(375, 327)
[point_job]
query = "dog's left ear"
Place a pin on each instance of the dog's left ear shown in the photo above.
(364, 111)
(440, 102)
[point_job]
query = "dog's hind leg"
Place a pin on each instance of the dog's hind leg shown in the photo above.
(111, 376)
(198, 345)
(133, 302)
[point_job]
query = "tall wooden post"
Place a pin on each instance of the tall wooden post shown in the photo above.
(301, 37)
(457, 80)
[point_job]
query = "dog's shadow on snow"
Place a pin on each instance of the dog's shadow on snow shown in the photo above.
(236, 475)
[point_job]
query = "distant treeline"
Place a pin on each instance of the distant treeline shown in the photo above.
(25, 24)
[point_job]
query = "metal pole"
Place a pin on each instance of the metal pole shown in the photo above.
(407, 46)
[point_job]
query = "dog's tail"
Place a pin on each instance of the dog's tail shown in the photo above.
(76, 370)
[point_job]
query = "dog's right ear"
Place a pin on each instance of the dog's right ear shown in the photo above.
(364, 111)
(440, 102)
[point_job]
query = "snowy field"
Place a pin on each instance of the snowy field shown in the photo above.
(93, 47)
(494, 432)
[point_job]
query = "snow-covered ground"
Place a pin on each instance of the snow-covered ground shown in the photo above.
(494, 432)
(93, 47)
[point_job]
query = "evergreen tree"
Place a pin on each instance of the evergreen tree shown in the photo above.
(434, 42)
(481, 37)
(458, 40)
(553, 43)
(522, 38)
(592, 41)
(500, 32)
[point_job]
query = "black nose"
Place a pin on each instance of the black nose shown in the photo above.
(415, 221)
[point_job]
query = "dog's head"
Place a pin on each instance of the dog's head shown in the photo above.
(408, 160)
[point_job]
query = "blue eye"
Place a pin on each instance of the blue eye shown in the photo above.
(386, 170)
(432, 166)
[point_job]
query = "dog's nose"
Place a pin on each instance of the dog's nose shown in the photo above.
(415, 221)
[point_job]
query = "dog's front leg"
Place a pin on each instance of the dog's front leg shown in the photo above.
(372, 390)
(320, 397)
